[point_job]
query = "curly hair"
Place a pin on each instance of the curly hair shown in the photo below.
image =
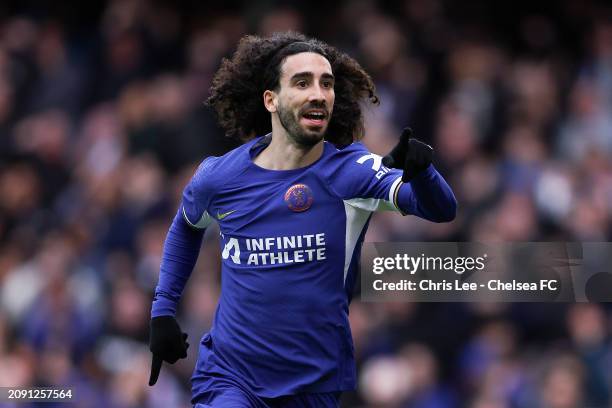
(238, 86)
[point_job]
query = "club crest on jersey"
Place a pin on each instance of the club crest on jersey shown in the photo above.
(299, 197)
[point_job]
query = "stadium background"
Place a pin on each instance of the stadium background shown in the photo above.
(102, 123)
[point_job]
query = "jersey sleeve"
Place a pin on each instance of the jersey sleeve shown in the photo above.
(183, 241)
(427, 196)
(360, 179)
(197, 196)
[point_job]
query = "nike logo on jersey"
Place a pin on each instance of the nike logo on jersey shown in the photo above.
(222, 216)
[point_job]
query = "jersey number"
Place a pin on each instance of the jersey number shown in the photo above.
(377, 165)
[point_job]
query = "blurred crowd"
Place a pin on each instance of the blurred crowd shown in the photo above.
(102, 123)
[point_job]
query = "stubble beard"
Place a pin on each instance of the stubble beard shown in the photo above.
(296, 132)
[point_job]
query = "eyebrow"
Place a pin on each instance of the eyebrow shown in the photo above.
(301, 75)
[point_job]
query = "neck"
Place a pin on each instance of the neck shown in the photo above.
(283, 154)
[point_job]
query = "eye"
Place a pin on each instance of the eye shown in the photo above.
(301, 84)
(328, 84)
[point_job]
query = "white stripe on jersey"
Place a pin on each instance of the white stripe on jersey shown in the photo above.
(393, 193)
(204, 221)
(356, 219)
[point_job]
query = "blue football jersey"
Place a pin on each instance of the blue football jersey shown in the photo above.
(290, 244)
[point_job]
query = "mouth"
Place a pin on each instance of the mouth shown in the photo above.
(314, 117)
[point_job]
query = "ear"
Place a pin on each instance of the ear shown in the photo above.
(270, 100)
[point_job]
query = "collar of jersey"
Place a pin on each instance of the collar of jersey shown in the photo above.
(263, 142)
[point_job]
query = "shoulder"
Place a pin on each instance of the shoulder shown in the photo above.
(231, 161)
(204, 175)
(354, 152)
(214, 170)
(354, 156)
(353, 148)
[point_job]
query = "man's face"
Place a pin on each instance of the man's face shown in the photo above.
(306, 97)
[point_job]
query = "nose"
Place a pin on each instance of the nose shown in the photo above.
(317, 94)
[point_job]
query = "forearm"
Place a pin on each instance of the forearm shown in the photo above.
(428, 196)
(180, 254)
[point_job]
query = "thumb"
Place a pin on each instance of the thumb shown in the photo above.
(405, 136)
(396, 157)
(185, 341)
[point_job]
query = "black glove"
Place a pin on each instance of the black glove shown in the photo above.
(167, 343)
(409, 155)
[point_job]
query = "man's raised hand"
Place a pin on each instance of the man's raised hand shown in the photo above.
(410, 155)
